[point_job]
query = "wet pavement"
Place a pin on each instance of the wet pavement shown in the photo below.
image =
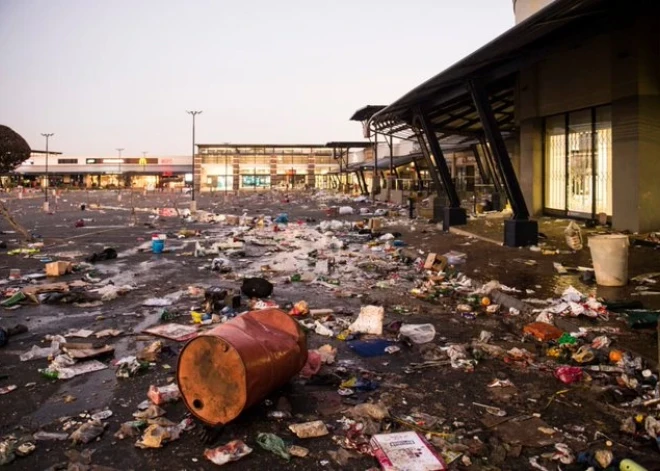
(441, 391)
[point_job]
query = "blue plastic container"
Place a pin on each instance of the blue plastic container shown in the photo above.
(157, 245)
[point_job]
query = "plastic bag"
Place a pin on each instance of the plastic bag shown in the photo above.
(568, 374)
(346, 210)
(274, 444)
(36, 353)
(418, 333)
(573, 235)
(232, 451)
(88, 431)
(369, 321)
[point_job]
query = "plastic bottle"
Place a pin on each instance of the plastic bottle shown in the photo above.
(50, 374)
(630, 465)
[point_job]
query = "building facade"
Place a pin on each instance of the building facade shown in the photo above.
(106, 172)
(589, 118)
(576, 87)
(235, 167)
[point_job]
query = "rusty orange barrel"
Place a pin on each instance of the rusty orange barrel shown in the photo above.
(237, 364)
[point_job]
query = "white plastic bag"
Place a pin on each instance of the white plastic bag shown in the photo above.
(573, 235)
(370, 321)
(418, 333)
(346, 210)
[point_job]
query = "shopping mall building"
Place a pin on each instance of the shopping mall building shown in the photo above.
(568, 104)
(233, 167)
(225, 167)
(104, 172)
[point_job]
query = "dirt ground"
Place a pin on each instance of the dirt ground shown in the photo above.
(586, 415)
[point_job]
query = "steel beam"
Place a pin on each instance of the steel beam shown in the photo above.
(480, 165)
(417, 172)
(436, 160)
(502, 159)
(519, 230)
(362, 181)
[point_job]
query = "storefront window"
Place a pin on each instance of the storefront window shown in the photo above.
(578, 161)
(555, 162)
(604, 160)
(255, 181)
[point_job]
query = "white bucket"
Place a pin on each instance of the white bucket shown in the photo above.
(610, 257)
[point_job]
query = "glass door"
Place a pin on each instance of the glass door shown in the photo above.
(555, 163)
(580, 164)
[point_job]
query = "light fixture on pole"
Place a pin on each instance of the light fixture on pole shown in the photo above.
(47, 136)
(193, 203)
(143, 160)
(119, 149)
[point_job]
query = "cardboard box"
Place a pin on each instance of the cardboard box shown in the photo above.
(232, 220)
(375, 224)
(430, 260)
(58, 268)
(435, 262)
(406, 451)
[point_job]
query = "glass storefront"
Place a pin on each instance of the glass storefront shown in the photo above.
(578, 162)
(255, 181)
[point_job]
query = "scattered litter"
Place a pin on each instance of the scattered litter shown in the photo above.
(309, 429)
(406, 451)
(177, 332)
(232, 451)
(369, 321)
(88, 432)
(418, 333)
(164, 394)
(274, 444)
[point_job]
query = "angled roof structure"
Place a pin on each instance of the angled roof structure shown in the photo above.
(446, 98)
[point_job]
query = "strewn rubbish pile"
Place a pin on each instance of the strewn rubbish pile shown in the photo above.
(417, 382)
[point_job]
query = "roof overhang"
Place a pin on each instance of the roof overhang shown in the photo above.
(349, 144)
(446, 98)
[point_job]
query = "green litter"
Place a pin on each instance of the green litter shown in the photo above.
(566, 339)
(274, 444)
(23, 251)
(14, 300)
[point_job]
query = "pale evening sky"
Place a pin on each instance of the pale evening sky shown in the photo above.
(102, 75)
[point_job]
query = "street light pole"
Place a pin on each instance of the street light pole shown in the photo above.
(47, 136)
(144, 162)
(119, 149)
(193, 203)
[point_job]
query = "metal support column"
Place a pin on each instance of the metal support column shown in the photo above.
(374, 175)
(492, 168)
(485, 179)
(453, 214)
(417, 171)
(364, 188)
(436, 161)
(518, 231)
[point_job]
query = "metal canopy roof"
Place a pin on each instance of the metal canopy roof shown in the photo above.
(51, 152)
(398, 160)
(349, 144)
(366, 112)
(446, 98)
(274, 146)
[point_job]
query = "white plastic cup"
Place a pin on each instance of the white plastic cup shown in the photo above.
(609, 254)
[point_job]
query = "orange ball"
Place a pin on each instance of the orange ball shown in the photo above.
(485, 301)
(616, 356)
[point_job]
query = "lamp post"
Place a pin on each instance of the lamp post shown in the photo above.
(47, 136)
(193, 203)
(119, 149)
